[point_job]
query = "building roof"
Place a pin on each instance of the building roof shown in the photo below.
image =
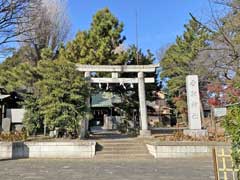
(3, 96)
(105, 99)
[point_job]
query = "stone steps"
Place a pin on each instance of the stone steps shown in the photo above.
(116, 146)
(122, 149)
(120, 144)
(123, 157)
(123, 152)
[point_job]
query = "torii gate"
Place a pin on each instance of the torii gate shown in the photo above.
(115, 70)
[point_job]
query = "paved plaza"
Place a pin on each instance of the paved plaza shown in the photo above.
(92, 169)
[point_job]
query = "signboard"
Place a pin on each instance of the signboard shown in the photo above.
(16, 115)
(219, 112)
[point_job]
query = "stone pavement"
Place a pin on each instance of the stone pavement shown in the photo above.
(92, 169)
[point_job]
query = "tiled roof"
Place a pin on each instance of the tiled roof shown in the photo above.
(3, 96)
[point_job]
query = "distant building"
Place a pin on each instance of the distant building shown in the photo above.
(159, 111)
(10, 111)
(105, 115)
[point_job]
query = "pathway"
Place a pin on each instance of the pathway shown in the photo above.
(151, 169)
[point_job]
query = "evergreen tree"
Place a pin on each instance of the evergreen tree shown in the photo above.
(54, 92)
(61, 94)
(135, 56)
(178, 62)
(20, 78)
(99, 44)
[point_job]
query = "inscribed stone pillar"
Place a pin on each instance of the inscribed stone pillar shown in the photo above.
(193, 102)
(143, 108)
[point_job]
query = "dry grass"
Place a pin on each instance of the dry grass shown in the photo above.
(13, 136)
(179, 136)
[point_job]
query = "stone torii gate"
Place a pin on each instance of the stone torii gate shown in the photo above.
(115, 70)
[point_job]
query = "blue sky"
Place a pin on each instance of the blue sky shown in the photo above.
(159, 21)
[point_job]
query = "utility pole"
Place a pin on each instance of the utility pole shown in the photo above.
(137, 57)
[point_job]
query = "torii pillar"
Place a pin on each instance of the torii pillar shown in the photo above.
(84, 124)
(142, 106)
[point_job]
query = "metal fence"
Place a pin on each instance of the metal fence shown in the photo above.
(223, 165)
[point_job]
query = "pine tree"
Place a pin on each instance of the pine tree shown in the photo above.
(178, 60)
(99, 44)
(62, 92)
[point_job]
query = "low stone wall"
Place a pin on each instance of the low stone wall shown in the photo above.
(183, 149)
(5, 150)
(47, 150)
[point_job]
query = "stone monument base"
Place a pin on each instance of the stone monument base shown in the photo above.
(195, 132)
(145, 133)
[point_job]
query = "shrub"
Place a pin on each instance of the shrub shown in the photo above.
(232, 126)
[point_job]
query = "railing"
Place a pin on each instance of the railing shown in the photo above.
(223, 165)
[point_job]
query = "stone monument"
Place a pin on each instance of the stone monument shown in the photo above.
(6, 124)
(193, 104)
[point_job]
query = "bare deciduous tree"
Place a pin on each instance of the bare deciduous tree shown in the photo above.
(49, 27)
(12, 14)
(222, 57)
